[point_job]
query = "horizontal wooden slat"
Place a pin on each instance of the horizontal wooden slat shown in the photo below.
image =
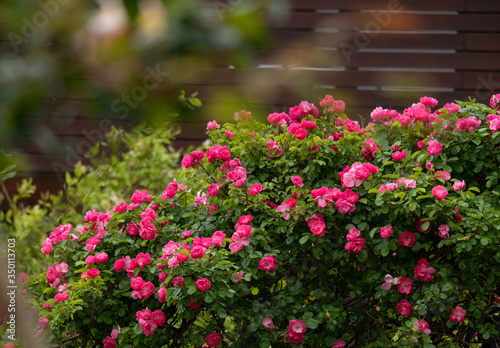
(459, 41)
(292, 95)
(402, 21)
(421, 5)
(350, 78)
(349, 56)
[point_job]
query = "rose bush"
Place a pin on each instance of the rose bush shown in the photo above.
(310, 231)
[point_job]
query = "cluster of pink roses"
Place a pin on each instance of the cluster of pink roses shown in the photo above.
(317, 225)
(295, 333)
(58, 235)
(236, 173)
(149, 321)
(345, 201)
(355, 243)
(242, 231)
(354, 175)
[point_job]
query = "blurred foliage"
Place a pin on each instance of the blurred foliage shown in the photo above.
(140, 159)
(114, 54)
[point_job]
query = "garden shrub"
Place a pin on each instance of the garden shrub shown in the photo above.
(309, 230)
(117, 165)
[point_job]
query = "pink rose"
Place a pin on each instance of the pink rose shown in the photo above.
(458, 185)
(119, 264)
(255, 189)
(439, 192)
(218, 238)
(389, 281)
(339, 344)
(158, 317)
(443, 231)
(404, 308)
(178, 282)
(423, 271)
(143, 314)
(162, 294)
(268, 263)
(355, 246)
(398, 155)
(294, 337)
(297, 180)
(102, 257)
(212, 190)
(212, 125)
(407, 239)
(457, 314)
(60, 297)
(423, 326)
(297, 326)
(405, 285)
(318, 228)
(203, 284)
(301, 133)
(434, 147)
(268, 322)
(213, 340)
(142, 259)
(385, 232)
(109, 342)
(197, 252)
(229, 134)
(132, 229)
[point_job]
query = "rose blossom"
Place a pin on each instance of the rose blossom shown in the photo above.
(297, 326)
(458, 185)
(434, 147)
(423, 271)
(385, 232)
(318, 228)
(423, 326)
(407, 239)
(268, 263)
(339, 344)
(213, 340)
(457, 314)
(389, 281)
(405, 285)
(439, 192)
(268, 322)
(203, 284)
(404, 308)
(443, 231)
(398, 155)
(297, 180)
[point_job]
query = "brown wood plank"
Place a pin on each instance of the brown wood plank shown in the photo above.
(350, 78)
(292, 95)
(401, 21)
(461, 41)
(350, 57)
(420, 5)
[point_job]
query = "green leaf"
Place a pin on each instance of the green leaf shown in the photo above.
(265, 343)
(137, 329)
(412, 206)
(304, 239)
(385, 251)
(312, 323)
(221, 312)
(362, 256)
